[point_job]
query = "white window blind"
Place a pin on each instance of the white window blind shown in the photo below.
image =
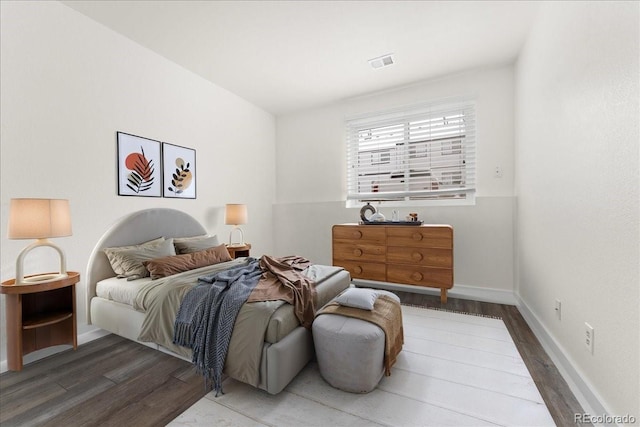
(421, 153)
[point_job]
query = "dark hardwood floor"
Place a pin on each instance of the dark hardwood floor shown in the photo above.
(108, 382)
(116, 382)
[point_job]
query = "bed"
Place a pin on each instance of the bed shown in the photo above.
(286, 346)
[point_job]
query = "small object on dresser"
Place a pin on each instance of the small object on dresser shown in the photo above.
(363, 212)
(377, 217)
(413, 216)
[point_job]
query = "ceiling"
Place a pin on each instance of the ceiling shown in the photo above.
(285, 56)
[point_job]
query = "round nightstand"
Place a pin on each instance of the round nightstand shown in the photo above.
(239, 251)
(39, 315)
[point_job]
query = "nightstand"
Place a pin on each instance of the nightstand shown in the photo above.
(39, 315)
(239, 251)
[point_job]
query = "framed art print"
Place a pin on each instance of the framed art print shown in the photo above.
(139, 161)
(179, 171)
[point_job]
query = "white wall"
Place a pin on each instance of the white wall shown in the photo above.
(311, 187)
(68, 84)
(577, 187)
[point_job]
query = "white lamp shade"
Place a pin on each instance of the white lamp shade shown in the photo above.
(235, 214)
(39, 218)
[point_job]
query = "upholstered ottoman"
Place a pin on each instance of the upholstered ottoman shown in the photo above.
(350, 351)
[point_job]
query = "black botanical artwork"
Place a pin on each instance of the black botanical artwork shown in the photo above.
(179, 165)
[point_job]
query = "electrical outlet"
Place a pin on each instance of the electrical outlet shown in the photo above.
(588, 337)
(558, 309)
(497, 172)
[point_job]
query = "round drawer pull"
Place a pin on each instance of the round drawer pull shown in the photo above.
(416, 276)
(357, 252)
(357, 234)
(416, 256)
(417, 236)
(357, 269)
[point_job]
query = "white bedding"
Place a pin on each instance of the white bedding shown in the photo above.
(120, 290)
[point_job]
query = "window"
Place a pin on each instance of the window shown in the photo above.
(422, 153)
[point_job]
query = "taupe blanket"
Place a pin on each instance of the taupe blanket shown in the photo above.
(207, 314)
(282, 279)
(160, 300)
(387, 314)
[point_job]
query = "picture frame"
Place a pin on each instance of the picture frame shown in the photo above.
(179, 171)
(139, 166)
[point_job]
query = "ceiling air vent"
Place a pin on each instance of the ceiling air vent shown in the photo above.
(382, 61)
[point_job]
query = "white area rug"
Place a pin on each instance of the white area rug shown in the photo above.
(454, 369)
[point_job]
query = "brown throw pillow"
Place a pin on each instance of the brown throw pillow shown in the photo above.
(166, 266)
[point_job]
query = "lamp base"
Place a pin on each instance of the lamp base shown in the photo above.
(42, 278)
(236, 244)
(39, 278)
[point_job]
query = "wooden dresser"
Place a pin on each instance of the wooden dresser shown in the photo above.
(406, 254)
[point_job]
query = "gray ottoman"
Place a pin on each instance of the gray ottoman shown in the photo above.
(350, 352)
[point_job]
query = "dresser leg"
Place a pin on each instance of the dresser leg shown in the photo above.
(443, 295)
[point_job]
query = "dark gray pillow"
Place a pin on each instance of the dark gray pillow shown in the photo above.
(187, 245)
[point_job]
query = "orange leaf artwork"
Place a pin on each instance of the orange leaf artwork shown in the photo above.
(141, 176)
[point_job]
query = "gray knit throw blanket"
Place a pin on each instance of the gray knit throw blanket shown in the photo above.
(207, 314)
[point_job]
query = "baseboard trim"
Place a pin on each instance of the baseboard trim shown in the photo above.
(91, 335)
(83, 338)
(497, 296)
(589, 399)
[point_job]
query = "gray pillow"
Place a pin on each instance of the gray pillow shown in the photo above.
(116, 261)
(358, 298)
(131, 260)
(187, 245)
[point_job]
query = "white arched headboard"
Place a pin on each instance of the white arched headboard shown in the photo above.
(132, 229)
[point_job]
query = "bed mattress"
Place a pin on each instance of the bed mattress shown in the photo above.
(120, 290)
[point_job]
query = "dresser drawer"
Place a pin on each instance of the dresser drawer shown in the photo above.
(353, 233)
(426, 237)
(421, 276)
(359, 251)
(363, 270)
(429, 257)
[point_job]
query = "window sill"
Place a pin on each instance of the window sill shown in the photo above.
(470, 200)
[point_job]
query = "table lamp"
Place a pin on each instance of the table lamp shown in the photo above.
(236, 214)
(39, 219)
